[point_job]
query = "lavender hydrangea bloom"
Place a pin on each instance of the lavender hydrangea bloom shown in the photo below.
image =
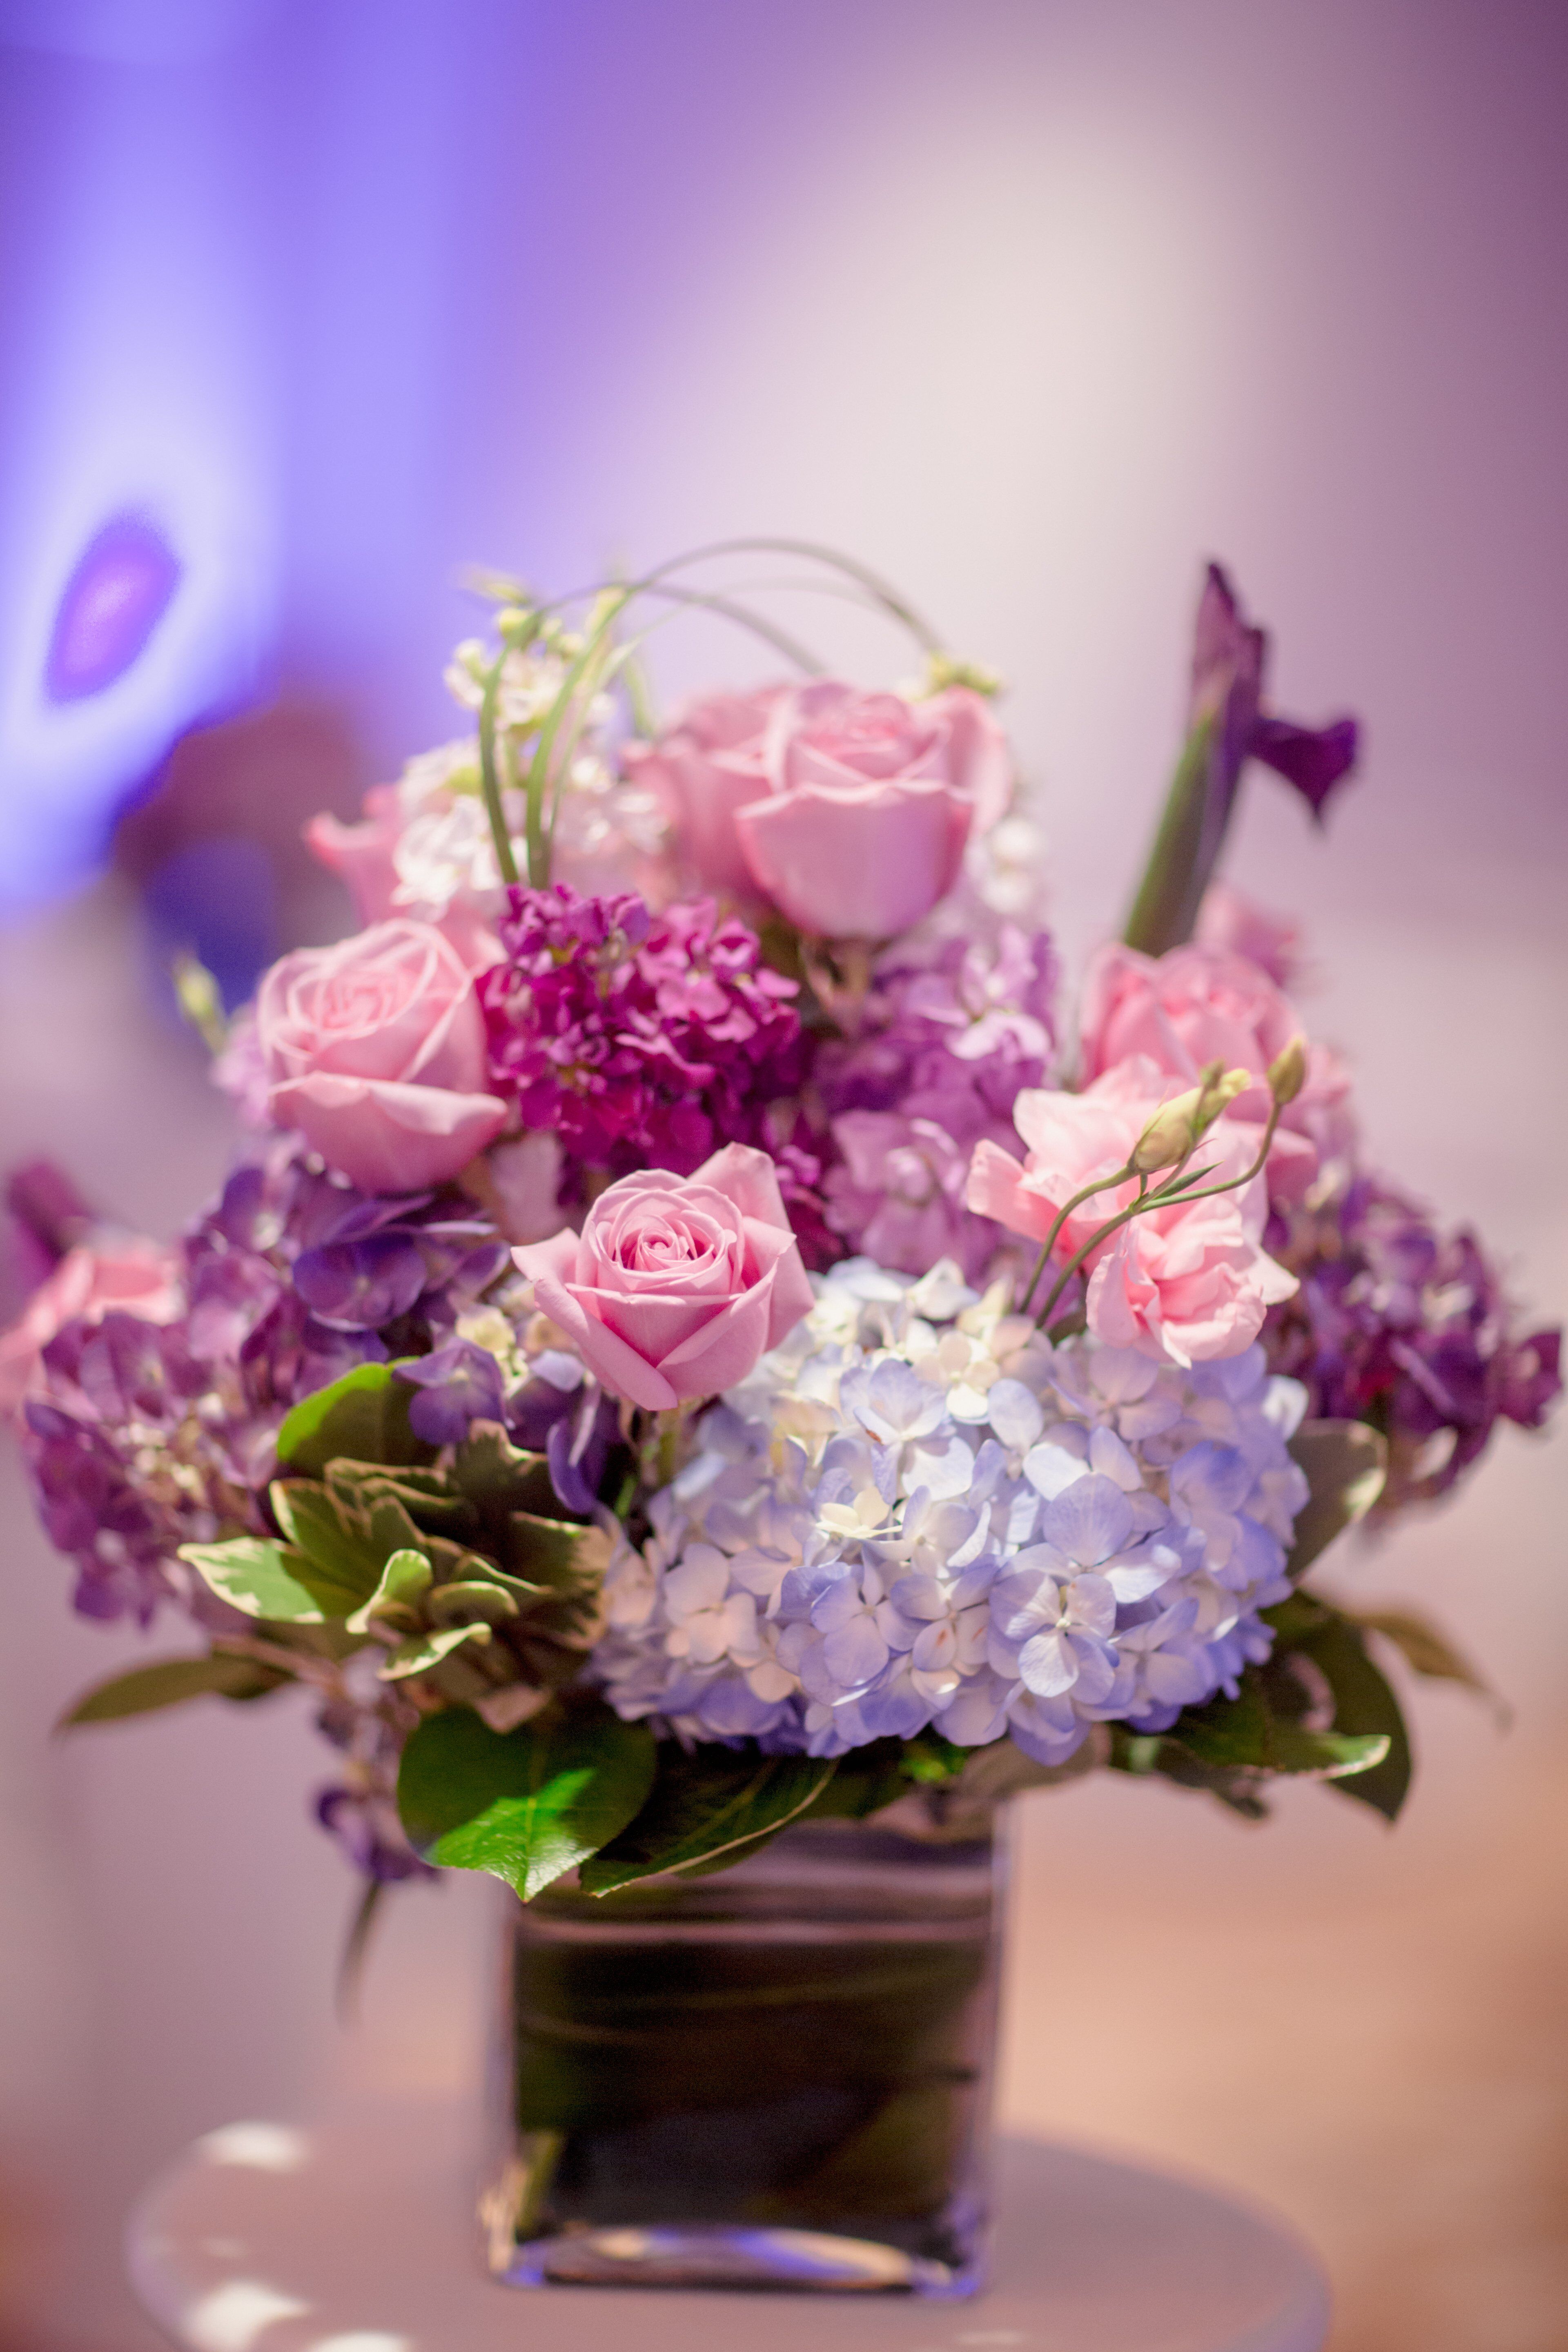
(916, 1511)
(1401, 1324)
(943, 1051)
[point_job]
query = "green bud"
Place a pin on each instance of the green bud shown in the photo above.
(1170, 1134)
(1218, 1089)
(1288, 1076)
(943, 671)
(197, 994)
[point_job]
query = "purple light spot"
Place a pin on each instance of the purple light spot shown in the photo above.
(113, 600)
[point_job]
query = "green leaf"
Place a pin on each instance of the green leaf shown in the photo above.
(343, 1550)
(421, 1652)
(716, 1802)
(1245, 1734)
(1345, 1464)
(269, 1580)
(1426, 1650)
(168, 1682)
(404, 1580)
(525, 1805)
(364, 1416)
(1364, 1703)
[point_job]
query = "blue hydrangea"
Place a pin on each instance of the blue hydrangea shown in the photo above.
(918, 1512)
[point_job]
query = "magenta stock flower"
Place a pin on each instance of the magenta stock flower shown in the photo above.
(1189, 1281)
(374, 1051)
(636, 1039)
(676, 1286)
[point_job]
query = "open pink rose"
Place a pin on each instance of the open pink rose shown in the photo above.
(374, 1050)
(708, 765)
(1198, 1004)
(870, 801)
(131, 1276)
(1189, 1281)
(677, 1283)
(848, 812)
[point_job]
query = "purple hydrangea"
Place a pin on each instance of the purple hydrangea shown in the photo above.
(942, 1052)
(639, 1040)
(148, 1436)
(1401, 1324)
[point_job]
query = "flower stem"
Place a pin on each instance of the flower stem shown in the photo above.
(1163, 1198)
(1101, 1184)
(489, 776)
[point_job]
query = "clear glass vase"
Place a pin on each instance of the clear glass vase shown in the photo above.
(778, 2075)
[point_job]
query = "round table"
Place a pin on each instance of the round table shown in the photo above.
(357, 2235)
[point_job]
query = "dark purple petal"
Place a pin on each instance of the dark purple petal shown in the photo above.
(1314, 759)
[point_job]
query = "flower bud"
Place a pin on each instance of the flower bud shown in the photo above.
(1288, 1076)
(1170, 1134)
(1218, 1089)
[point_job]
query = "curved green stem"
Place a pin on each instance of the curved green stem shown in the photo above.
(489, 777)
(1101, 1184)
(1162, 1198)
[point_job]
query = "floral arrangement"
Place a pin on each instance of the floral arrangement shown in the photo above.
(699, 1337)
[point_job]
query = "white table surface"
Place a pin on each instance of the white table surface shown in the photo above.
(357, 2235)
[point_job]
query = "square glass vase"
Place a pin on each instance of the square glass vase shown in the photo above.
(774, 2076)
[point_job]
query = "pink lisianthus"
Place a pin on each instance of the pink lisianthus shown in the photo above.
(677, 1283)
(374, 1051)
(1230, 920)
(847, 812)
(1189, 1282)
(126, 1274)
(1198, 1004)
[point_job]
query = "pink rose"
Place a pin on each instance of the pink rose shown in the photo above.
(127, 1273)
(677, 1283)
(374, 1050)
(848, 811)
(1189, 1281)
(1197, 1005)
(364, 857)
(706, 767)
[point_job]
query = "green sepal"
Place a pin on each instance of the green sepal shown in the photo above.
(404, 1580)
(362, 1416)
(271, 1581)
(1345, 1464)
(712, 1807)
(168, 1682)
(524, 1805)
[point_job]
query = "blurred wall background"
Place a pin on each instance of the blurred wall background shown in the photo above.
(1034, 306)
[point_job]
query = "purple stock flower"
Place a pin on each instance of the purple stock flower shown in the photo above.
(1401, 1324)
(640, 1041)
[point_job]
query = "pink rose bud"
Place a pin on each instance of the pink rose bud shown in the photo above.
(677, 1283)
(374, 1050)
